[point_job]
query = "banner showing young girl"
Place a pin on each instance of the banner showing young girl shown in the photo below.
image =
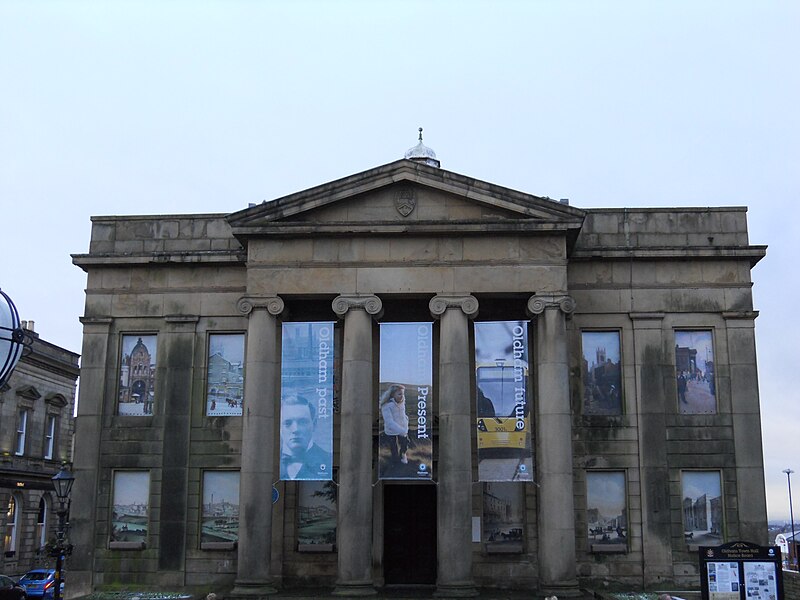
(307, 401)
(504, 424)
(405, 394)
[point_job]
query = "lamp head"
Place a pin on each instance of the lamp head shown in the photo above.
(62, 482)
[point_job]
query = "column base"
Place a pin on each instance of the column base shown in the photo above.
(567, 589)
(456, 590)
(355, 590)
(251, 590)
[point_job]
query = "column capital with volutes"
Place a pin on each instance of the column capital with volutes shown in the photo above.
(466, 303)
(369, 303)
(538, 304)
(273, 304)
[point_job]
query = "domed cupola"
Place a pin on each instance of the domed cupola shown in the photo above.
(422, 154)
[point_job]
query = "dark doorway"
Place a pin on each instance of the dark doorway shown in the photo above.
(409, 534)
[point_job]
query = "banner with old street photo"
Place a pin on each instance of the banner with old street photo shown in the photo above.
(602, 377)
(137, 375)
(316, 516)
(504, 423)
(503, 516)
(130, 507)
(694, 372)
(225, 385)
(220, 507)
(606, 511)
(701, 505)
(405, 393)
(306, 415)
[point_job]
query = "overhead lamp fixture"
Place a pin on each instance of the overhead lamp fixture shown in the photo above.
(13, 338)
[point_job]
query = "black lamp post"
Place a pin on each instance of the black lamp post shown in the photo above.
(62, 482)
(792, 544)
(13, 339)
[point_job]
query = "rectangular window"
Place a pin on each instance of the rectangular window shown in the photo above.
(602, 376)
(220, 518)
(225, 368)
(130, 510)
(50, 437)
(701, 505)
(503, 517)
(22, 428)
(694, 372)
(316, 516)
(606, 511)
(137, 375)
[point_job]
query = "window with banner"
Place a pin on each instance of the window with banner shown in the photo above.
(503, 411)
(503, 517)
(702, 509)
(130, 509)
(137, 375)
(225, 374)
(606, 511)
(695, 373)
(316, 516)
(602, 374)
(220, 514)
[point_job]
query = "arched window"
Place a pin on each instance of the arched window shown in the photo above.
(41, 522)
(12, 524)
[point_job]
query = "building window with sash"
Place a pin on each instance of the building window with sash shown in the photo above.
(22, 428)
(50, 436)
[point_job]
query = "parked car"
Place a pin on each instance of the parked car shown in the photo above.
(10, 589)
(40, 583)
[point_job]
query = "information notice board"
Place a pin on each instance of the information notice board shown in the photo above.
(741, 571)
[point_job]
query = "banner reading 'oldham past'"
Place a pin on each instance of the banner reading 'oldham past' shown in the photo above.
(504, 424)
(406, 392)
(307, 401)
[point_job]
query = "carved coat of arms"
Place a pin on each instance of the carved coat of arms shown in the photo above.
(405, 200)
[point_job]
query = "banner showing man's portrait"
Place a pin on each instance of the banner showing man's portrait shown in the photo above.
(306, 416)
(137, 375)
(405, 397)
(602, 377)
(504, 423)
(225, 383)
(694, 372)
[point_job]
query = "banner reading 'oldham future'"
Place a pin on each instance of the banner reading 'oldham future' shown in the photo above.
(307, 401)
(504, 424)
(406, 393)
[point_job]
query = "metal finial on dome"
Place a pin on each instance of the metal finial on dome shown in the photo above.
(422, 154)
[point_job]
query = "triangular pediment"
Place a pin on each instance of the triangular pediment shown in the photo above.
(416, 197)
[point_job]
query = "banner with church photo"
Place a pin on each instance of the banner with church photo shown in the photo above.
(405, 395)
(694, 372)
(137, 375)
(602, 376)
(504, 422)
(225, 367)
(306, 414)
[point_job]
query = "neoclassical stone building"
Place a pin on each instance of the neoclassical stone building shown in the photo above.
(633, 434)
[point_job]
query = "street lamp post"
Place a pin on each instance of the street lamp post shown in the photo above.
(62, 482)
(792, 546)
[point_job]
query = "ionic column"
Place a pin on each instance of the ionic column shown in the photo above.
(354, 531)
(253, 578)
(554, 447)
(454, 506)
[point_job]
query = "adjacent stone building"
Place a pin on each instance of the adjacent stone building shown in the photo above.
(633, 339)
(36, 427)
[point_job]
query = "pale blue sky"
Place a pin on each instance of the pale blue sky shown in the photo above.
(185, 106)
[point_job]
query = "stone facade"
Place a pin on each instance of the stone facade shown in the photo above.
(36, 427)
(411, 242)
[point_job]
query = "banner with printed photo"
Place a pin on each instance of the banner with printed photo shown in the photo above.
(504, 422)
(130, 506)
(220, 507)
(306, 416)
(694, 372)
(225, 383)
(405, 392)
(602, 377)
(137, 375)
